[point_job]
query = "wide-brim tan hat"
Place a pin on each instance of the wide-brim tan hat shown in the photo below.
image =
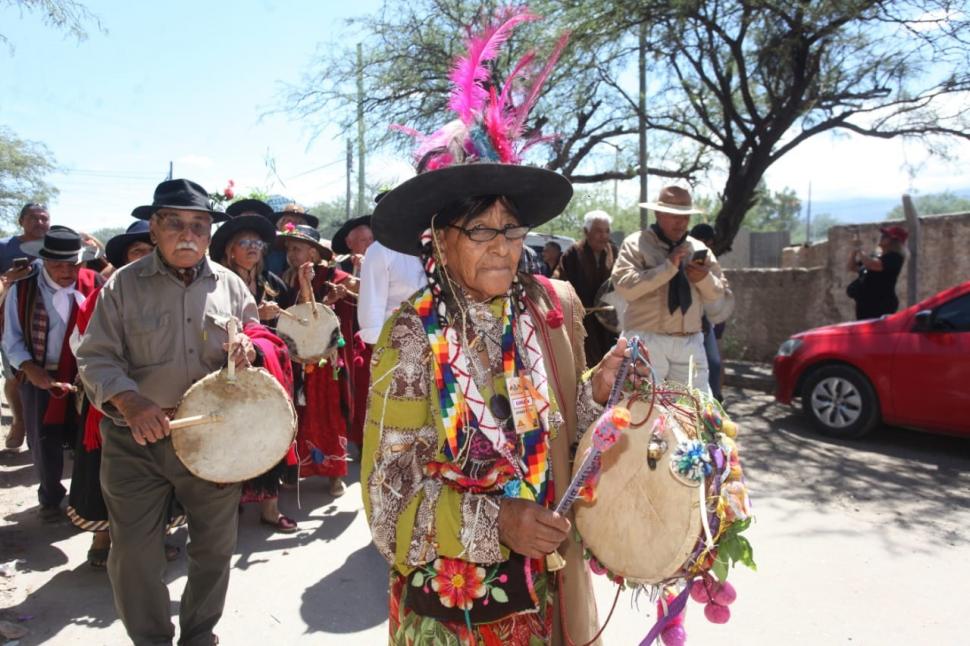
(674, 200)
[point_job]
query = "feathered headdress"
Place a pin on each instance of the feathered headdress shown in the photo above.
(490, 122)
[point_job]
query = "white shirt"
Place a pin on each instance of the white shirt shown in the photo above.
(387, 279)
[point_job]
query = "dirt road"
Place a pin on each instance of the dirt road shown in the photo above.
(857, 543)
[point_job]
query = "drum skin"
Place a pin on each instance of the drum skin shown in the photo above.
(644, 523)
(257, 426)
(311, 342)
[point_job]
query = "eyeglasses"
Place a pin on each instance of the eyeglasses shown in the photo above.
(175, 225)
(249, 243)
(479, 233)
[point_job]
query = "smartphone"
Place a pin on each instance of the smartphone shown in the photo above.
(20, 263)
(699, 256)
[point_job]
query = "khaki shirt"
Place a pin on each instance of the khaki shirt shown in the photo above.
(152, 334)
(642, 277)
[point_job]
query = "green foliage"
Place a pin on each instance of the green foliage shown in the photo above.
(106, 234)
(821, 223)
(933, 204)
(23, 167)
(733, 548)
(774, 210)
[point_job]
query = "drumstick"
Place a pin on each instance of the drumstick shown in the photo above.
(231, 365)
(601, 308)
(291, 315)
(194, 420)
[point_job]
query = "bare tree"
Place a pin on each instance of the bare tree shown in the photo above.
(750, 80)
(408, 50)
(63, 15)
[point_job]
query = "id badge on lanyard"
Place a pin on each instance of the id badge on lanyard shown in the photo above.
(525, 412)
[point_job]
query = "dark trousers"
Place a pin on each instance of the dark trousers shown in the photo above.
(46, 445)
(138, 484)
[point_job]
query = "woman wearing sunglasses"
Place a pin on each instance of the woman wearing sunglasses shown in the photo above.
(240, 244)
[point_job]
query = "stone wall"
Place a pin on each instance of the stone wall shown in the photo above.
(809, 291)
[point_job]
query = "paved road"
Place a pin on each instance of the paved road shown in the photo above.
(857, 543)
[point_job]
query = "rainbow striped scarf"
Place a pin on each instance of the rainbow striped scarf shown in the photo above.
(463, 409)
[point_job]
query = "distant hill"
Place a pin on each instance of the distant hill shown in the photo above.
(864, 209)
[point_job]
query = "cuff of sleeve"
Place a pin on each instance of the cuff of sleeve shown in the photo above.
(710, 288)
(370, 335)
(17, 360)
(104, 392)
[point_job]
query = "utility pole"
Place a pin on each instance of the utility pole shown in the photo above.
(360, 130)
(643, 122)
(171, 167)
(350, 171)
(616, 183)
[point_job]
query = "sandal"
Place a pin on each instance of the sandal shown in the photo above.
(283, 524)
(337, 487)
(98, 557)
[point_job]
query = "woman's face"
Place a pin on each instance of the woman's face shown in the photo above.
(484, 269)
(298, 253)
(246, 249)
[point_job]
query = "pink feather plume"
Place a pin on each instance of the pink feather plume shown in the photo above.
(522, 112)
(468, 95)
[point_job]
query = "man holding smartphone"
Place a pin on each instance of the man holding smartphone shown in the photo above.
(14, 265)
(668, 277)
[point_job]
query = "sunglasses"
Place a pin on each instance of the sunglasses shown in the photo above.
(173, 224)
(479, 233)
(251, 244)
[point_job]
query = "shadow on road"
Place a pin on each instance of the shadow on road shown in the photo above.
(351, 598)
(890, 470)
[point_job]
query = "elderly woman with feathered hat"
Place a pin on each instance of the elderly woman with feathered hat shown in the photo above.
(478, 390)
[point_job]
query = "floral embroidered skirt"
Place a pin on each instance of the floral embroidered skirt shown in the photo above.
(408, 628)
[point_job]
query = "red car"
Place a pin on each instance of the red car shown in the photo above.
(911, 368)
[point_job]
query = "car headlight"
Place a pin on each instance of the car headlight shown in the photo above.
(788, 348)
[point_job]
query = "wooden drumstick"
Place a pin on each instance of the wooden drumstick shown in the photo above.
(291, 315)
(231, 366)
(601, 308)
(194, 420)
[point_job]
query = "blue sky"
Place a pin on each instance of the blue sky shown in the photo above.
(189, 82)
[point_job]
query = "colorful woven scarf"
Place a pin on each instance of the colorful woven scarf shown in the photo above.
(463, 409)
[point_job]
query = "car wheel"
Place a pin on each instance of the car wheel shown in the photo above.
(841, 402)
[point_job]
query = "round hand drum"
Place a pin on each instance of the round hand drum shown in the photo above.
(644, 522)
(248, 426)
(310, 330)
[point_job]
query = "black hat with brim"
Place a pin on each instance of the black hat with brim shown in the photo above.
(339, 241)
(181, 195)
(255, 223)
(311, 220)
(249, 205)
(405, 212)
(60, 244)
(117, 248)
(306, 235)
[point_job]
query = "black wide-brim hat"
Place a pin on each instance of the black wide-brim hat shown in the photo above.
(255, 223)
(61, 244)
(339, 240)
(250, 205)
(183, 195)
(311, 220)
(307, 235)
(401, 216)
(117, 247)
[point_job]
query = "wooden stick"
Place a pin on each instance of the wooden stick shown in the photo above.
(291, 315)
(194, 420)
(601, 308)
(231, 367)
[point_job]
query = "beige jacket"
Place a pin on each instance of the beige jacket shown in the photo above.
(642, 276)
(152, 334)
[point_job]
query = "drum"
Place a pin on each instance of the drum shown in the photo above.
(655, 511)
(311, 331)
(236, 429)
(607, 307)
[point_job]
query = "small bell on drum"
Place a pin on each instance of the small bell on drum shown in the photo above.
(555, 562)
(655, 451)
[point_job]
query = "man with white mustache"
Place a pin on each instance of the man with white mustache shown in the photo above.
(159, 326)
